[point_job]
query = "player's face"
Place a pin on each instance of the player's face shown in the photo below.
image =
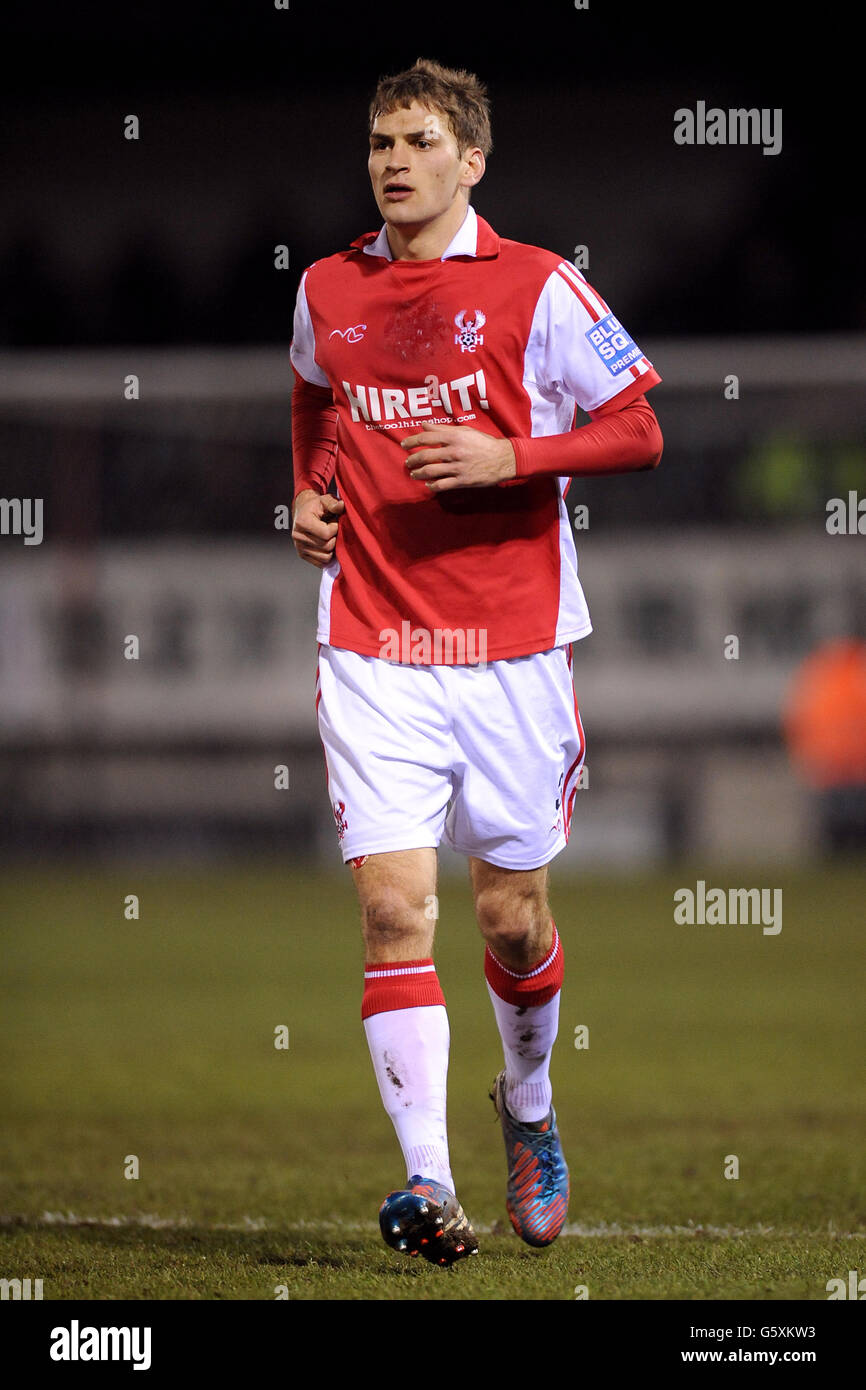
(415, 166)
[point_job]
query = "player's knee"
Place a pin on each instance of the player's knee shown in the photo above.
(511, 914)
(390, 917)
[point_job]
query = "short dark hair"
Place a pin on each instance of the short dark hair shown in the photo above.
(456, 93)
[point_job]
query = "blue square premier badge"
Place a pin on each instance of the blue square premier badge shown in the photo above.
(616, 348)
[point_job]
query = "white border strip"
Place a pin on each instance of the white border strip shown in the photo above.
(603, 1230)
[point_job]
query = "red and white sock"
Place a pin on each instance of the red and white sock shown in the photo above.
(408, 1036)
(526, 1006)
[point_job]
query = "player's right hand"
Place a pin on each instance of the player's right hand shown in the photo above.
(314, 526)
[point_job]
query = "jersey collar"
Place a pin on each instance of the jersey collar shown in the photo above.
(474, 237)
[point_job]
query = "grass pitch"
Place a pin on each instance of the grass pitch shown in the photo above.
(261, 1169)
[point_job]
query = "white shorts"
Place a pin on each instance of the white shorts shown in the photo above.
(488, 755)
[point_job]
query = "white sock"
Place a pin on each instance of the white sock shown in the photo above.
(528, 1035)
(409, 1048)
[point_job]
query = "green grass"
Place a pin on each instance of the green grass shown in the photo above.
(261, 1168)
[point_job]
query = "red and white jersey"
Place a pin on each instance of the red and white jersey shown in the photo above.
(495, 334)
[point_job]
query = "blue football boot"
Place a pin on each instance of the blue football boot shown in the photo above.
(538, 1187)
(425, 1218)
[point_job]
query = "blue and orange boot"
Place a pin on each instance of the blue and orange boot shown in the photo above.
(425, 1218)
(538, 1187)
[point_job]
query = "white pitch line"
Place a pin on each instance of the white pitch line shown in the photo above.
(601, 1231)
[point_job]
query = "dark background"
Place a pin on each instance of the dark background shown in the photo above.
(253, 132)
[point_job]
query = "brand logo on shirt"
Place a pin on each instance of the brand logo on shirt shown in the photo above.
(469, 337)
(613, 344)
(384, 403)
(349, 335)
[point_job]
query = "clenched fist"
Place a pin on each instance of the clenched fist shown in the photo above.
(314, 526)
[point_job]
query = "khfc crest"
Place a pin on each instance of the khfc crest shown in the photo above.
(339, 809)
(470, 336)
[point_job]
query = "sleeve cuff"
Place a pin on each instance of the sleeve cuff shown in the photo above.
(638, 386)
(521, 462)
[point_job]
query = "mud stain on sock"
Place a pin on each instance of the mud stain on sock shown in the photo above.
(391, 1074)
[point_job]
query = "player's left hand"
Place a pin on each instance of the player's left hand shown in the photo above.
(452, 456)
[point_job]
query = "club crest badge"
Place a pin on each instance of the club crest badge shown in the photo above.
(470, 336)
(339, 809)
